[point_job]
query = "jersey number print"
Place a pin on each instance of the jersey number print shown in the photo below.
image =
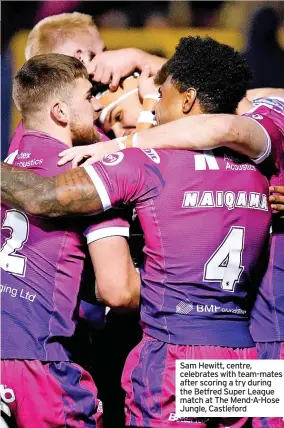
(18, 224)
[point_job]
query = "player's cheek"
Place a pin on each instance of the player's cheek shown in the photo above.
(117, 129)
(156, 112)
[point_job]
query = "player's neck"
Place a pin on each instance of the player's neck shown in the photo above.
(61, 134)
(195, 109)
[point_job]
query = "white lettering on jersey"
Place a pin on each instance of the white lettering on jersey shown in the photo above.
(207, 200)
(204, 161)
(12, 156)
(229, 199)
(152, 154)
(190, 199)
(241, 201)
(18, 224)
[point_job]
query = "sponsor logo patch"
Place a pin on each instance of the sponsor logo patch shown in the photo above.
(113, 159)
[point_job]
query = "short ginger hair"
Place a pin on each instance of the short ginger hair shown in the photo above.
(54, 30)
(44, 76)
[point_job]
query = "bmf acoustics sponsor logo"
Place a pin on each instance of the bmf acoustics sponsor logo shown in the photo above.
(184, 307)
(113, 159)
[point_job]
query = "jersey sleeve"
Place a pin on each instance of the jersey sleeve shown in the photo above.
(115, 222)
(273, 136)
(130, 176)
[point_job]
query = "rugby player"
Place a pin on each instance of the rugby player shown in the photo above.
(129, 108)
(188, 266)
(250, 138)
(42, 261)
(247, 137)
(76, 34)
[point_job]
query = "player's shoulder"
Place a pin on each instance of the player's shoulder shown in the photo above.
(275, 103)
(39, 152)
(269, 106)
(269, 112)
(133, 157)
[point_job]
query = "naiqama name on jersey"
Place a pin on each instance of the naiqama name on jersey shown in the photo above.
(229, 199)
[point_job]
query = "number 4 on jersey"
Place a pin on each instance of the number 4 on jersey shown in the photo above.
(18, 224)
(225, 264)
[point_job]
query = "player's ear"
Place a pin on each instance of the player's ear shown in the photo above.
(188, 100)
(60, 113)
(79, 55)
(82, 56)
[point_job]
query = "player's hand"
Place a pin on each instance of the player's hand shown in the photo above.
(87, 155)
(277, 199)
(110, 66)
(146, 85)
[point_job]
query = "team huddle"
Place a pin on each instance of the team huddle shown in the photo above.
(193, 157)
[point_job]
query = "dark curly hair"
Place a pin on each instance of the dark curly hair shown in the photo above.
(162, 74)
(218, 73)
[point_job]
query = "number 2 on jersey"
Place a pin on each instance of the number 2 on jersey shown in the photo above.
(225, 264)
(18, 224)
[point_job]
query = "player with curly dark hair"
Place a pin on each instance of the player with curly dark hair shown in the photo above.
(218, 73)
(205, 77)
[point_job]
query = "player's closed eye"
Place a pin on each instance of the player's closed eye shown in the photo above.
(118, 117)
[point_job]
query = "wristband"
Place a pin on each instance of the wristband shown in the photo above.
(146, 117)
(131, 141)
(153, 97)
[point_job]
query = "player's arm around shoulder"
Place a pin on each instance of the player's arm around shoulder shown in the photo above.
(247, 135)
(69, 193)
(128, 176)
(207, 132)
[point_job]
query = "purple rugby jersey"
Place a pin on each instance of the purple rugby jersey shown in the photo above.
(19, 132)
(267, 318)
(42, 264)
(206, 221)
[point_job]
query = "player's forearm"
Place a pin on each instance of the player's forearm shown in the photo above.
(123, 295)
(134, 286)
(197, 132)
(70, 193)
(205, 132)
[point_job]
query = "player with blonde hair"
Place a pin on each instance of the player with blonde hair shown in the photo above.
(76, 34)
(73, 34)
